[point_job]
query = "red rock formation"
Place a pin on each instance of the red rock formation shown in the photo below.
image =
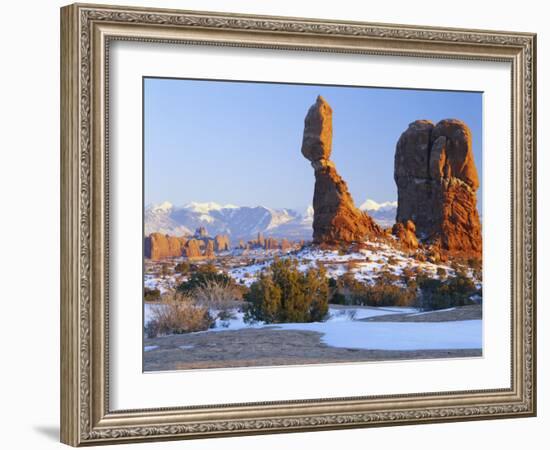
(159, 246)
(285, 245)
(209, 251)
(270, 243)
(335, 219)
(221, 243)
(201, 232)
(193, 248)
(406, 233)
(261, 239)
(437, 181)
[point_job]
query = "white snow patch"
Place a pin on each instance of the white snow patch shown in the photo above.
(149, 348)
(206, 207)
(466, 334)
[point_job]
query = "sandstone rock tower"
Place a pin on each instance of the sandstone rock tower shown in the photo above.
(437, 181)
(335, 219)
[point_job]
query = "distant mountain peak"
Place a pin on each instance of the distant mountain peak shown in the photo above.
(206, 207)
(239, 222)
(372, 205)
(164, 206)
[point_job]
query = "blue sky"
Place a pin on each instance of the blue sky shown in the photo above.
(239, 142)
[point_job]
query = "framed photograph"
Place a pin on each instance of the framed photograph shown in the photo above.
(276, 224)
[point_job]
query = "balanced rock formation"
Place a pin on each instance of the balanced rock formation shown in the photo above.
(159, 246)
(437, 181)
(335, 218)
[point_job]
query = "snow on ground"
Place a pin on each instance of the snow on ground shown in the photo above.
(149, 348)
(365, 263)
(342, 329)
(396, 335)
(162, 284)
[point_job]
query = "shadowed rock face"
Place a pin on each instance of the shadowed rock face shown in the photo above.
(335, 219)
(437, 182)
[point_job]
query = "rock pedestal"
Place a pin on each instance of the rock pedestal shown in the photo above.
(335, 219)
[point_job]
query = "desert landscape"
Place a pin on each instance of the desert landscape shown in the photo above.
(243, 286)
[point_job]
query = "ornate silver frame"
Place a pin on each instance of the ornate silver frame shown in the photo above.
(86, 31)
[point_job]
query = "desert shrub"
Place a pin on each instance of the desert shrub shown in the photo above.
(387, 277)
(217, 295)
(152, 329)
(382, 292)
(201, 276)
(178, 316)
(284, 294)
(164, 270)
(338, 298)
(151, 295)
(442, 294)
(408, 275)
(392, 261)
(182, 267)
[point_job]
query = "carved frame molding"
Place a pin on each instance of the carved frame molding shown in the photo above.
(86, 32)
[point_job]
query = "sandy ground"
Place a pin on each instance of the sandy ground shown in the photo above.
(273, 347)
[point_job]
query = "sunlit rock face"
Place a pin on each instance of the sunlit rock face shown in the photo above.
(335, 219)
(437, 181)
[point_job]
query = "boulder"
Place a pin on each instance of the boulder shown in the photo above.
(406, 234)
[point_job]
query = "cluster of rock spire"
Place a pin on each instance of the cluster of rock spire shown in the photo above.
(200, 246)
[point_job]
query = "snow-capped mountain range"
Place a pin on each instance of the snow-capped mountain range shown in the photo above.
(243, 222)
(383, 213)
